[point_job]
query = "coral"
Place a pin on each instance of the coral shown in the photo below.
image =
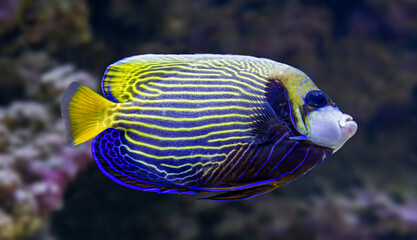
(36, 165)
(363, 212)
(51, 23)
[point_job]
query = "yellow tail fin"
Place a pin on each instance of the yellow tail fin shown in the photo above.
(84, 113)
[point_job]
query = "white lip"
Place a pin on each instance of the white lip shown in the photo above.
(345, 119)
(348, 125)
(348, 128)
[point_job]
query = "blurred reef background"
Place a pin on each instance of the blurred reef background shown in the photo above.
(362, 53)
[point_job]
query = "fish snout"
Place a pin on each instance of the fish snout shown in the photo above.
(348, 125)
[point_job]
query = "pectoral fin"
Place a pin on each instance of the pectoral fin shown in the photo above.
(299, 138)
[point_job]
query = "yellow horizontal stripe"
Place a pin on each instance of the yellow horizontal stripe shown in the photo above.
(169, 72)
(203, 109)
(155, 67)
(182, 92)
(212, 67)
(143, 144)
(166, 85)
(229, 138)
(130, 115)
(181, 129)
(207, 67)
(187, 164)
(182, 138)
(197, 101)
(202, 77)
(154, 78)
(262, 79)
(173, 156)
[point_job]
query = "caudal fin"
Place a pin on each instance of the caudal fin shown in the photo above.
(84, 113)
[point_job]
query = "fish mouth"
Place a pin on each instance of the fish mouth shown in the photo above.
(348, 126)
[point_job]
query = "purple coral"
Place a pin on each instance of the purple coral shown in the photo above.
(36, 165)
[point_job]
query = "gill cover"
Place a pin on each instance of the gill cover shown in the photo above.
(313, 114)
(297, 84)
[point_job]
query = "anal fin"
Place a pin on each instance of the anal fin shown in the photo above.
(243, 194)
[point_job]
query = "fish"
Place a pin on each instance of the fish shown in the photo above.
(230, 125)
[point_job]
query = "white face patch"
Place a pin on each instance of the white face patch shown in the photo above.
(329, 127)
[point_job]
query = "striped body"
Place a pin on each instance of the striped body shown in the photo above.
(194, 126)
(202, 123)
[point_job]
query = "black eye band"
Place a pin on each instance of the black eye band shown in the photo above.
(316, 99)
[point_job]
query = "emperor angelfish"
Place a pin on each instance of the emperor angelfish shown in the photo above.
(239, 126)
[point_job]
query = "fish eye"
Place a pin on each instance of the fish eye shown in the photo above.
(316, 99)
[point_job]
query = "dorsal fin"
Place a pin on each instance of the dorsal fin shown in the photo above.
(120, 77)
